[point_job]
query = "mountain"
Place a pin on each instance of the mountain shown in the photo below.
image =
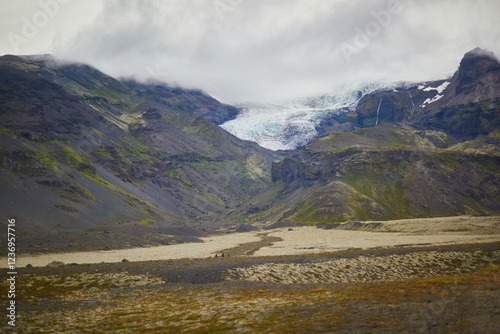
(82, 151)
(380, 173)
(427, 149)
(92, 162)
(464, 105)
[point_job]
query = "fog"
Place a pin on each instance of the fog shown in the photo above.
(256, 50)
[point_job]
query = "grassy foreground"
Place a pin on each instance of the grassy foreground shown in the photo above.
(141, 298)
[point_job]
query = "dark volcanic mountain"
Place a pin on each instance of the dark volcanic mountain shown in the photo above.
(431, 149)
(464, 106)
(80, 150)
(88, 161)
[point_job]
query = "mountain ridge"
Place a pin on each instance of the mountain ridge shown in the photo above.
(81, 149)
(86, 156)
(396, 153)
(431, 104)
(381, 173)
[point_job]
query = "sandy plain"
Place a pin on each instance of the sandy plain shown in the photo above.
(300, 240)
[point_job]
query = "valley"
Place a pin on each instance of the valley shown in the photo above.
(372, 210)
(95, 155)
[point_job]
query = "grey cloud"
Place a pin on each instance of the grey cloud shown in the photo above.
(275, 49)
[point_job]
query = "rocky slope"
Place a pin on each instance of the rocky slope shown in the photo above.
(465, 105)
(84, 154)
(431, 149)
(384, 172)
(79, 149)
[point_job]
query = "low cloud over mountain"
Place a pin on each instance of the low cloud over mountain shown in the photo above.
(256, 51)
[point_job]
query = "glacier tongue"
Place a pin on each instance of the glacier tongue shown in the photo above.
(289, 125)
(276, 127)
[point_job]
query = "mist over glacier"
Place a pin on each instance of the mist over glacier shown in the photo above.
(291, 124)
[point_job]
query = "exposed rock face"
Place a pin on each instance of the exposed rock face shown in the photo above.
(478, 65)
(290, 170)
(465, 105)
(386, 172)
(85, 149)
(471, 103)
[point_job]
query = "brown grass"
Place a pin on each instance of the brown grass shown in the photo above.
(450, 303)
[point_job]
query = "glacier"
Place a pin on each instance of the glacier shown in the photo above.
(292, 124)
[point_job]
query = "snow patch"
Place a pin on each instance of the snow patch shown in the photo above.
(434, 99)
(442, 87)
(439, 89)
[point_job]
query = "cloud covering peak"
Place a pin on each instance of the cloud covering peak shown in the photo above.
(242, 50)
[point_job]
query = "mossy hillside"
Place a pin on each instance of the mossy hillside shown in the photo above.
(58, 157)
(19, 63)
(47, 162)
(483, 144)
(220, 169)
(152, 148)
(220, 160)
(255, 166)
(5, 131)
(370, 192)
(224, 180)
(221, 181)
(383, 173)
(129, 152)
(269, 205)
(111, 95)
(202, 129)
(384, 136)
(217, 142)
(145, 221)
(495, 134)
(33, 160)
(128, 158)
(95, 82)
(385, 185)
(327, 205)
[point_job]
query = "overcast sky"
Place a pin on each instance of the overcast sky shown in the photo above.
(255, 50)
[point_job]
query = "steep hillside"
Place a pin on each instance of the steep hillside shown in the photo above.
(465, 106)
(384, 172)
(80, 149)
(428, 149)
(88, 160)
